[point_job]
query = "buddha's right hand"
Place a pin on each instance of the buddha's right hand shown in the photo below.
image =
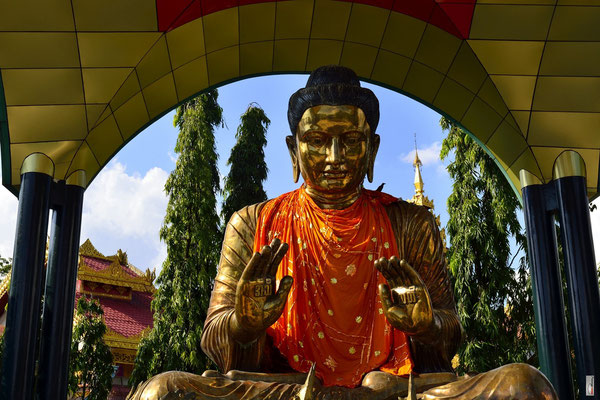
(257, 306)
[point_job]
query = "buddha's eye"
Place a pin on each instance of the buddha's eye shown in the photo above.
(352, 138)
(314, 139)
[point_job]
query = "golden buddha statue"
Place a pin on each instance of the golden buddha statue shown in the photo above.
(333, 291)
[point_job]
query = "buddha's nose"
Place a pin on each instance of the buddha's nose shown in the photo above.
(334, 155)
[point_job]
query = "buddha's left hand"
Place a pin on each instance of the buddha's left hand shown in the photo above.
(407, 306)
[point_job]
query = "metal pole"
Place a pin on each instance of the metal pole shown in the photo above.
(584, 297)
(23, 315)
(552, 341)
(59, 296)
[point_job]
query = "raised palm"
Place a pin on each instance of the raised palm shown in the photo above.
(407, 305)
(257, 305)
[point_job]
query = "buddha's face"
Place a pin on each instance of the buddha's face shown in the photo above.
(333, 147)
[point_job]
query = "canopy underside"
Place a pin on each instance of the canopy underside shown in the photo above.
(80, 79)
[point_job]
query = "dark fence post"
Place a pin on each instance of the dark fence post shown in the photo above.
(552, 341)
(61, 280)
(584, 298)
(23, 315)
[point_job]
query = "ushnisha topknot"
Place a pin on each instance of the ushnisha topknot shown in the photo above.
(333, 85)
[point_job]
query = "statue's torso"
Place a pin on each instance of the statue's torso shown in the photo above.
(416, 240)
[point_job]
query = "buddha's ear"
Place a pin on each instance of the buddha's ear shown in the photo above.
(372, 154)
(291, 144)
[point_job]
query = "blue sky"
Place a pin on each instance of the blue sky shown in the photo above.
(125, 204)
(401, 117)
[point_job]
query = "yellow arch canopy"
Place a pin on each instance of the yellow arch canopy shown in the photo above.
(81, 78)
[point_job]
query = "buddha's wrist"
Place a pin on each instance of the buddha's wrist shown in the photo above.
(431, 335)
(242, 335)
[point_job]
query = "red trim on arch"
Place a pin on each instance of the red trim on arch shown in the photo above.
(461, 15)
(168, 11)
(453, 16)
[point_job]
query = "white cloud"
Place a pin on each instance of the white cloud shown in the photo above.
(126, 211)
(8, 211)
(429, 155)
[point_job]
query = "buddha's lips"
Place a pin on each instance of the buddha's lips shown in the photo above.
(335, 174)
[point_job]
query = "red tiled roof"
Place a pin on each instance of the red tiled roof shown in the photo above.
(100, 265)
(127, 318)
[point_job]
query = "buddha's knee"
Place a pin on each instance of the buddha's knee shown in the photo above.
(525, 379)
(160, 385)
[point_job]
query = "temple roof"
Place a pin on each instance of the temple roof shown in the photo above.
(112, 270)
(124, 292)
(126, 321)
(80, 79)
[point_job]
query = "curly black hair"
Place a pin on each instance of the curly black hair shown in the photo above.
(333, 85)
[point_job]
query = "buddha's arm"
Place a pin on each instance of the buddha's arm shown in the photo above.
(420, 244)
(217, 341)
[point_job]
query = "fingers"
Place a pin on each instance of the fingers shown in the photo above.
(383, 266)
(252, 268)
(277, 257)
(274, 306)
(399, 272)
(386, 297)
(391, 271)
(266, 256)
(412, 277)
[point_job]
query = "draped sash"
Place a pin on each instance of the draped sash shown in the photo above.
(333, 316)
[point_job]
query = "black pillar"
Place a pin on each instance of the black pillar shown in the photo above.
(59, 296)
(584, 297)
(552, 341)
(23, 315)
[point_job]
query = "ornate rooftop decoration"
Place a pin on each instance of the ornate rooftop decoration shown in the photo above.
(419, 197)
(112, 270)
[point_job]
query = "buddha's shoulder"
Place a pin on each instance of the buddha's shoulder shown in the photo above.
(246, 217)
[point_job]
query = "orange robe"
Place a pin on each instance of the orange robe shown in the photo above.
(417, 240)
(333, 315)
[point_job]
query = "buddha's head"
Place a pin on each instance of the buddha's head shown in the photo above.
(333, 142)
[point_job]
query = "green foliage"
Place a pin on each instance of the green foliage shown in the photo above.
(191, 230)
(5, 266)
(243, 184)
(493, 299)
(90, 368)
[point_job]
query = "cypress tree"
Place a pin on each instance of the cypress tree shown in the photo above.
(248, 170)
(191, 230)
(493, 299)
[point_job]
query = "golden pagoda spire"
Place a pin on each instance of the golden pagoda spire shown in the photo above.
(419, 198)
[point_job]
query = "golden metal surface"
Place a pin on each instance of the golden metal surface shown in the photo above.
(257, 306)
(38, 162)
(333, 147)
(528, 179)
(568, 163)
(410, 310)
(78, 178)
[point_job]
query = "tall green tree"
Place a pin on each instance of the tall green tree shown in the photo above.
(90, 368)
(248, 169)
(191, 230)
(5, 266)
(493, 298)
